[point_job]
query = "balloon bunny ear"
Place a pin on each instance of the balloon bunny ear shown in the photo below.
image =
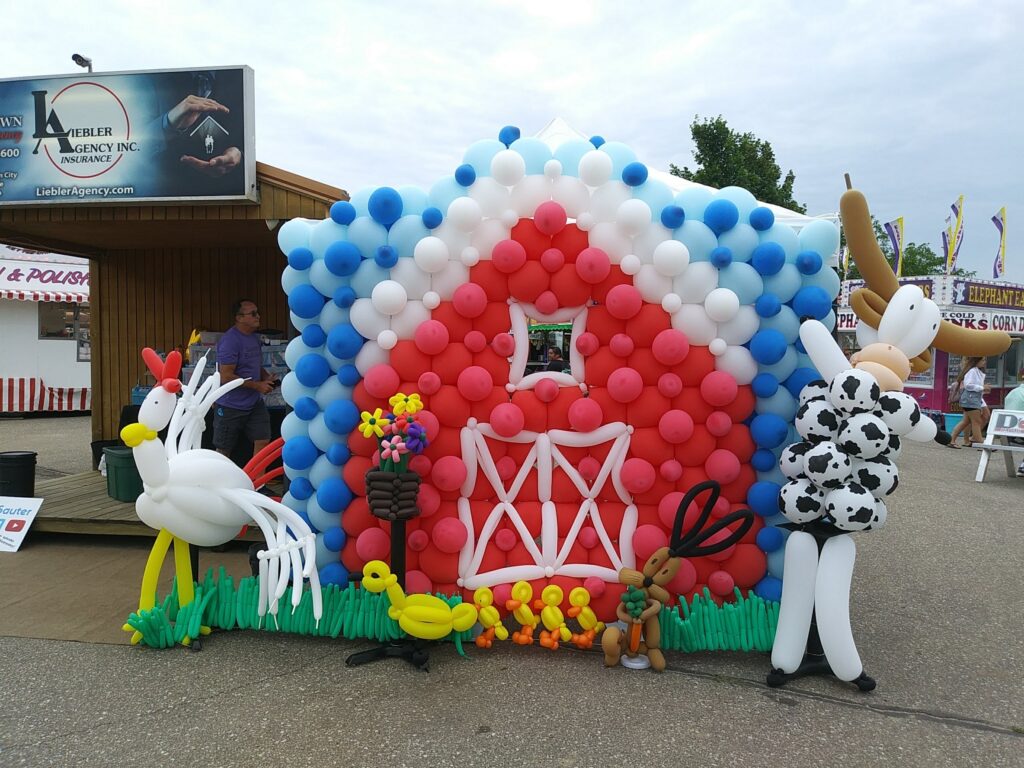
(691, 544)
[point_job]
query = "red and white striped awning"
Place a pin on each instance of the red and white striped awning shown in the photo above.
(28, 395)
(63, 296)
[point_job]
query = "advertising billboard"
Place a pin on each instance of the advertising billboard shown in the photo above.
(128, 137)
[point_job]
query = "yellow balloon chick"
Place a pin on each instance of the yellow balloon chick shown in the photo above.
(423, 616)
(552, 617)
(519, 605)
(579, 601)
(490, 618)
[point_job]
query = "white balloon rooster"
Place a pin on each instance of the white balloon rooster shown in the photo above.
(200, 497)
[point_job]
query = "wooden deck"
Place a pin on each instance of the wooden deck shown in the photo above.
(80, 504)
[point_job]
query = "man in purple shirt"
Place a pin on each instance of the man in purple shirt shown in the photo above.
(242, 412)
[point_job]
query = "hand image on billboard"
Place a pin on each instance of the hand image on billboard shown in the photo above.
(221, 165)
(187, 112)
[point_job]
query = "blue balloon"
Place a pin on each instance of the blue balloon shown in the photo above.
(634, 174)
(784, 368)
(338, 454)
(333, 495)
(300, 258)
(300, 487)
(342, 258)
(367, 235)
(785, 322)
(785, 237)
(305, 301)
(744, 201)
(414, 200)
(569, 154)
(341, 416)
(405, 233)
(465, 175)
(762, 460)
(360, 202)
(334, 539)
(479, 154)
(672, 217)
(767, 346)
(299, 453)
(808, 262)
(621, 155)
(798, 345)
(743, 280)
(767, 305)
(367, 276)
(768, 430)
(386, 257)
(799, 379)
(444, 191)
(785, 284)
(343, 212)
(306, 408)
(768, 258)
(769, 539)
(333, 573)
(657, 195)
(293, 234)
(345, 297)
(432, 217)
(763, 498)
(699, 240)
(721, 258)
(764, 385)
(508, 134)
(762, 219)
(694, 200)
(349, 375)
(768, 588)
(597, 141)
(741, 240)
(385, 206)
(344, 341)
(827, 279)
(721, 215)
(820, 236)
(313, 336)
(812, 301)
(782, 404)
(312, 370)
(535, 154)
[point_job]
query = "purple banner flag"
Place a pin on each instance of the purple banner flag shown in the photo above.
(999, 266)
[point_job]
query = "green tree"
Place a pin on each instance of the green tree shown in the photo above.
(918, 259)
(727, 158)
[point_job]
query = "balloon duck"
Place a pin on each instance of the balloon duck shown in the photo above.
(551, 617)
(519, 605)
(490, 618)
(579, 601)
(423, 616)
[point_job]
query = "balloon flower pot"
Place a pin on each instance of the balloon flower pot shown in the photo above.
(392, 495)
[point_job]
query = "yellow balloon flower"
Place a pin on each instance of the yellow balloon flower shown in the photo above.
(402, 403)
(373, 423)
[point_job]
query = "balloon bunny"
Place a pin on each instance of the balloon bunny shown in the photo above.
(197, 496)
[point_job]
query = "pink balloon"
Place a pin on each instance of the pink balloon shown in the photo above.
(587, 537)
(647, 539)
(670, 385)
(587, 343)
(552, 260)
(625, 385)
(508, 256)
(507, 419)
(670, 470)
(722, 508)
(469, 300)
(721, 583)
(550, 218)
(593, 265)
(621, 345)
(503, 344)
(421, 465)
(670, 347)
(546, 303)
(417, 540)
(668, 506)
(675, 426)
(715, 538)
(585, 414)
(638, 475)
(718, 423)
(475, 342)
(428, 383)
(507, 468)
(589, 468)
(546, 390)
(718, 388)
(430, 423)
(722, 466)
(623, 301)
(475, 383)
(685, 579)
(381, 381)
(594, 586)
(505, 540)
(449, 535)
(502, 593)
(449, 473)
(373, 544)
(431, 337)
(418, 583)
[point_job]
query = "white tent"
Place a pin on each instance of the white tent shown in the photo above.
(558, 131)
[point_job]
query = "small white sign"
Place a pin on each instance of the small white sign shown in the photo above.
(1006, 424)
(16, 516)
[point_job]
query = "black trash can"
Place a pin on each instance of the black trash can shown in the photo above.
(18, 473)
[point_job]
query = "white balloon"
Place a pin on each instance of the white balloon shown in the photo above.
(470, 256)
(431, 300)
(692, 320)
(295, 233)
(415, 281)
(453, 237)
(389, 297)
(508, 167)
(609, 239)
(490, 195)
(671, 303)
(738, 363)
(832, 603)
(387, 339)
(572, 194)
(553, 169)
(866, 335)
(585, 221)
(370, 355)
(722, 305)
(741, 328)
(408, 320)
(630, 264)
(801, 569)
(448, 279)
(717, 347)
(464, 213)
(595, 168)
(529, 193)
(633, 216)
(647, 242)
(694, 284)
(823, 350)
(652, 285)
(487, 235)
(431, 254)
(671, 258)
(606, 200)
(509, 218)
(367, 319)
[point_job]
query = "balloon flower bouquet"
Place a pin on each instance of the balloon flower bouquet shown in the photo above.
(392, 488)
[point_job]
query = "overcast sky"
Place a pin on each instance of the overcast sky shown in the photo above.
(919, 101)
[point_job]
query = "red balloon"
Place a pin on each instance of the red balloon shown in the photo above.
(587, 343)
(646, 540)
(507, 420)
(508, 256)
(552, 260)
(625, 385)
(431, 337)
(381, 381)
(585, 415)
(469, 300)
(529, 281)
(637, 475)
(547, 303)
(503, 344)
(621, 345)
(593, 265)
(667, 508)
(670, 385)
(417, 583)
(535, 241)
(699, 363)
(722, 466)
(491, 279)
(747, 565)
(587, 537)
(428, 383)
(718, 423)
(440, 567)
(449, 535)
(721, 583)
(449, 473)
(715, 538)
(373, 544)
(506, 467)
(408, 360)
(718, 388)
(670, 470)
(623, 301)
(670, 347)
(421, 465)
(684, 579)
(417, 540)
(505, 539)
(475, 383)
(676, 427)
(475, 342)
(567, 286)
(430, 424)
(550, 218)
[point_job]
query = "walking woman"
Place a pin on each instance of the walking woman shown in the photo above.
(972, 386)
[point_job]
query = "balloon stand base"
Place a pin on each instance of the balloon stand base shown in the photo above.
(413, 651)
(818, 666)
(635, 662)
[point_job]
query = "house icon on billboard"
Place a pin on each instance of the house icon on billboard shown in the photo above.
(210, 132)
